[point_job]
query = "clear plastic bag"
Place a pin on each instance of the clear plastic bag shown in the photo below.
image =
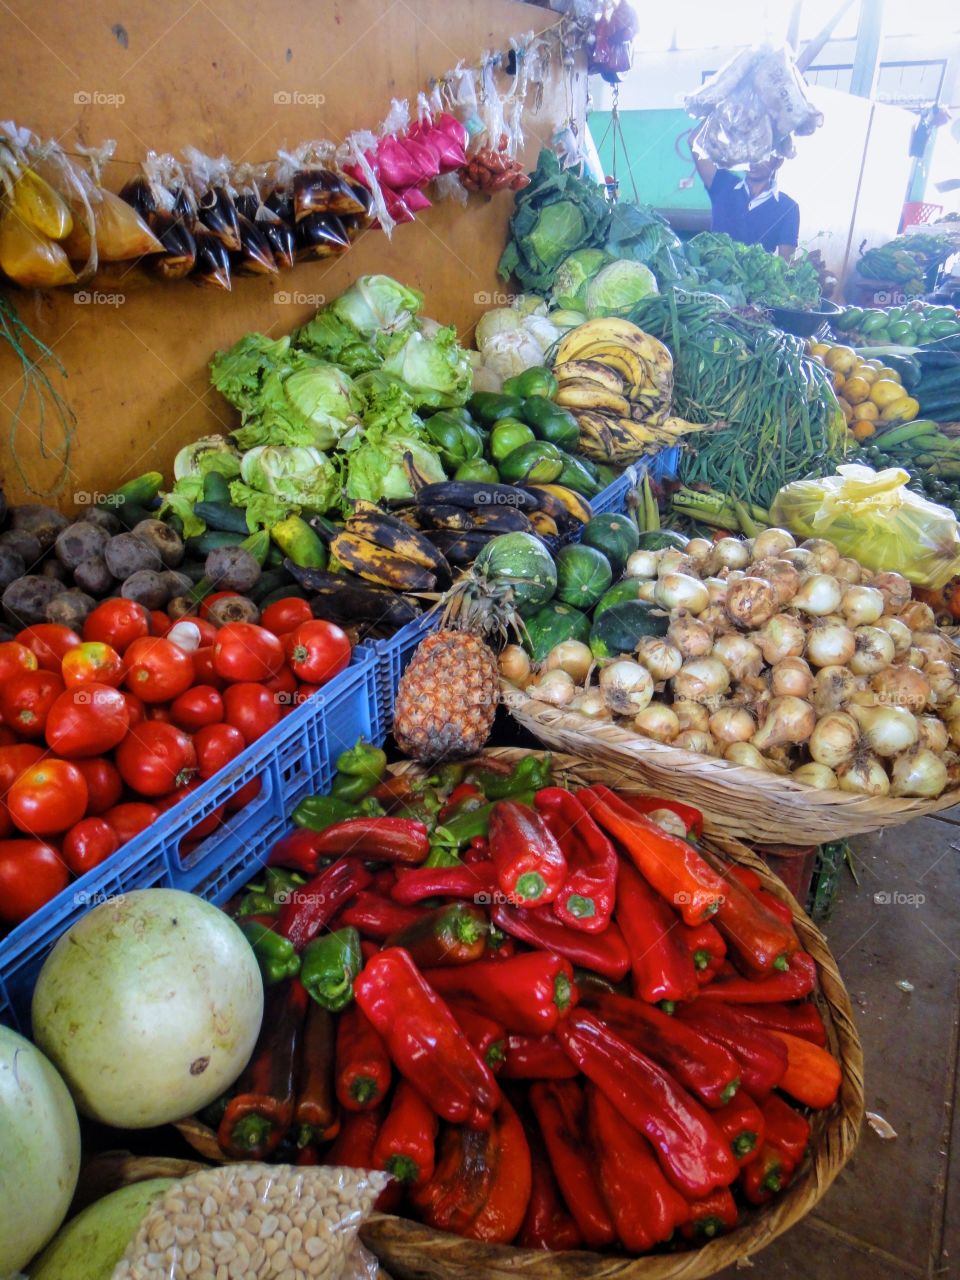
(258, 1222)
(872, 517)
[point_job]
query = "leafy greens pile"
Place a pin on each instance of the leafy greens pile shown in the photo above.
(747, 273)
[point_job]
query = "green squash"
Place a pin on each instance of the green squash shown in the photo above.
(583, 575)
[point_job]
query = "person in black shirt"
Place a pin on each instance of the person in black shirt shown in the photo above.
(750, 207)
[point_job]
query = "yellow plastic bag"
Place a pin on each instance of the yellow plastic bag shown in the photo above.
(872, 516)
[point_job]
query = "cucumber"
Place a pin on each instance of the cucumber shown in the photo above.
(139, 492)
(283, 592)
(583, 575)
(130, 514)
(625, 589)
(300, 543)
(221, 515)
(216, 488)
(619, 628)
(662, 540)
(272, 580)
(211, 540)
(550, 625)
(615, 536)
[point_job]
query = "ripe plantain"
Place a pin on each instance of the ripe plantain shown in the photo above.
(557, 501)
(543, 525)
(591, 371)
(376, 564)
(581, 394)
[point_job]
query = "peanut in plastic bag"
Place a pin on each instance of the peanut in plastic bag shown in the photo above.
(872, 517)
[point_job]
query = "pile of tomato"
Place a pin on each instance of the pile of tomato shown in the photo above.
(102, 732)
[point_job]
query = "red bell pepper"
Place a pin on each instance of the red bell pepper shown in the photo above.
(560, 1108)
(478, 850)
(775, 906)
(307, 1156)
(801, 1020)
(316, 1113)
(310, 909)
(261, 1111)
(670, 865)
(475, 883)
(423, 1039)
(793, 983)
(536, 1058)
(481, 1185)
(605, 953)
(707, 1069)
(644, 1206)
(705, 944)
(449, 935)
(529, 863)
(713, 1216)
(813, 1075)
(661, 966)
(767, 1176)
(691, 1150)
(548, 1224)
(527, 993)
(761, 941)
(377, 839)
(763, 1061)
(587, 895)
(484, 1033)
(384, 878)
(295, 850)
(787, 1130)
(691, 818)
(376, 917)
(353, 1149)
(405, 1145)
(363, 1071)
(741, 1123)
(744, 875)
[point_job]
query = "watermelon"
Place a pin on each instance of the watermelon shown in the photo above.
(583, 575)
(661, 539)
(551, 624)
(625, 589)
(521, 561)
(615, 536)
(618, 628)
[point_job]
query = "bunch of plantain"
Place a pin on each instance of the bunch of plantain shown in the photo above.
(618, 382)
(385, 550)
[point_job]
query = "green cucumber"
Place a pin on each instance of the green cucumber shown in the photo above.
(212, 540)
(139, 492)
(221, 515)
(216, 488)
(269, 581)
(622, 626)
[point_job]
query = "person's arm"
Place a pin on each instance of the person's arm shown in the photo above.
(706, 168)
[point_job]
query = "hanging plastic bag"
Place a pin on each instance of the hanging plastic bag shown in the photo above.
(359, 146)
(874, 518)
(29, 257)
(461, 84)
(119, 233)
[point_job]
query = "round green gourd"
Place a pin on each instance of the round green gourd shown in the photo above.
(523, 562)
(550, 625)
(583, 575)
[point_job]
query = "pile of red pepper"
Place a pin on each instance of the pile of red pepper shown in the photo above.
(560, 1025)
(491, 169)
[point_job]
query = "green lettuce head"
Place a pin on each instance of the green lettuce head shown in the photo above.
(377, 304)
(300, 475)
(436, 369)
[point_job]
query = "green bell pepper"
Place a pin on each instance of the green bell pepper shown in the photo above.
(275, 954)
(536, 381)
(279, 883)
(329, 966)
(442, 851)
(463, 827)
(532, 773)
(457, 441)
(479, 471)
(363, 760)
(320, 812)
(507, 435)
(258, 903)
(351, 787)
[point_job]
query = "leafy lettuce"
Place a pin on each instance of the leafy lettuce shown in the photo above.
(437, 369)
(377, 304)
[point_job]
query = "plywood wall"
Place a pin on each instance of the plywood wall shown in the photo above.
(241, 77)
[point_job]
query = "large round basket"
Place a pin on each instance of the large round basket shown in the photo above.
(411, 1251)
(747, 804)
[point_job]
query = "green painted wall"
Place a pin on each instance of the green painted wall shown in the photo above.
(652, 140)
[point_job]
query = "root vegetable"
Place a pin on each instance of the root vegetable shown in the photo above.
(147, 587)
(715, 617)
(658, 722)
(742, 753)
(572, 656)
(732, 724)
(71, 609)
(817, 595)
(934, 646)
(898, 632)
(728, 553)
(232, 569)
(703, 744)
(864, 775)
(918, 773)
(830, 644)
(896, 589)
(750, 603)
(26, 599)
(932, 734)
(788, 720)
(627, 686)
(681, 591)
(690, 636)
(717, 587)
(515, 665)
(902, 686)
(847, 570)
(739, 655)
(94, 577)
(176, 583)
(662, 659)
(875, 651)
(673, 561)
(701, 680)
(791, 677)
(692, 715)
(782, 576)
(825, 555)
(942, 679)
(165, 541)
(229, 609)
(24, 544)
(887, 730)
(782, 637)
(79, 542)
(126, 554)
(862, 606)
(11, 567)
(642, 564)
(103, 519)
(832, 688)
(834, 739)
(555, 687)
(699, 549)
(816, 775)
(43, 523)
(772, 542)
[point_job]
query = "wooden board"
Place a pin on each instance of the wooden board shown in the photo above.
(244, 78)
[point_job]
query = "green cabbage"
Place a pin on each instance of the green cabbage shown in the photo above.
(238, 374)
(262, 510)
(435, 369)
(335, 340)
(375, 463)
(376, 304)
(311, 406)
(573, 275)
(616, 288)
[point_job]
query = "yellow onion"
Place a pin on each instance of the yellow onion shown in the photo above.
(732, 724)
(896, 589)
(800, 559)
(751, 602)
(825, 555)
(847, 570)
(590, 703)
(942, 679)
(772, 542)
(934, 646)
(818, 594)
(862, 605)
(717, 589)
(681, 591)
(647, 590)
(748, 757)
(642, 564)
(816, 775)
(874, 652)
(791, 676)
(739, 655)
(662, 659)
(515, 665)
(782, 576)
(918, 616)
(572, 656)
(699, 549)
(887, 730)
(832, 687)
(918, 773)
(783, 636)
(693, 740)
(788, 719)
(864, 774)
(673, 561)
(692, 715)
(555, 687)
(701, 680)
(715, 617)
(830, 644)
(901, 686)
(728, 553)
(932, 734)
(834, 739)
(690, 636)
(627, 687)
(658, 722)
(899, 633)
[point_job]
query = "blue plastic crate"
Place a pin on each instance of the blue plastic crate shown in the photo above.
(666, 463)
(613, 499)
(294, 759)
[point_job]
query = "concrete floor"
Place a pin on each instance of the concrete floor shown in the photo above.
(894, 1211)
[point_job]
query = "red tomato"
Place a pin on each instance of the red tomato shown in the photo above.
(128, 820)
(206, 825)
(284, 616)
(317, 651)
(49, 642)
(31, 873)
(7, 737)
(284, 685)
(160, 623)
(211, 600)
(244, 651)
(117, 623)
(208, 632)
(157, 759)
(15, 659)
(6, 826)
(156, 670)
(48, 797)
(13, 761)
(104, 784)
(251, 708)
(196, 707)
(136, 709)
(216, 745)
(91, 662)
(25, 701)
(204, 671)
(87, 721)
(87, 844)
(158, 711)
(249, 791)
(305, 691)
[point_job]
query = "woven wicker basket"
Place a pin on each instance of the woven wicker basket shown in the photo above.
(412, 1251)
(746, 804)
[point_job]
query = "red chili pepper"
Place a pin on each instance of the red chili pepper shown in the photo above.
(661, 966)
(353, 1149)
(307, 1155)
(644, 1207)
(529, 863)
(406, 1143)
(763, 1061)
(560, 1108)
(478, 850)
(670, 865)
(587, 895)
(744, 875)
(261, 1111)
(527, 993)
(316, 1112)
(449, 935)
(760, 940)
(312, 907)
(691, 818)
(295, 851)
(536, 1058)
(485, 1034)
(707, 1069)
(801, 1020)
(712, 1216)
(605, 952)
(787, 1130)
(363, 1065)
(796, 982)
(813, 1075)
(767, 1176)
(691, 1150)
(741, 1123)
(383, 880)
(379, 839)
(705, 944)
(377, 917)
(548, 1224)
(460, 793)
(477, 883)
(423, 1039)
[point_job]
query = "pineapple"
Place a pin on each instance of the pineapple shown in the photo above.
(447, 698)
